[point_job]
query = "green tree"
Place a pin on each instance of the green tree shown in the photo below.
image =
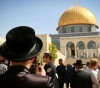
(53, 51)
(39, 58)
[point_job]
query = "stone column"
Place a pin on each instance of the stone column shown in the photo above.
(91, 53)
(75, 51)
(97, 47)
(97, 52)
(86, 51)
(69, 52)
(66, 53)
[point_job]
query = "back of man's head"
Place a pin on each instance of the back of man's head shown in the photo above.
(93, 61)
(61, 59)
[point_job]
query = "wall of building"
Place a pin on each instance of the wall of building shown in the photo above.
(46, 39)
(2, 40)
(75, 40)
(60, 55)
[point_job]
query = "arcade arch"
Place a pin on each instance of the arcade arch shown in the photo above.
(71, 49)
(80, 48)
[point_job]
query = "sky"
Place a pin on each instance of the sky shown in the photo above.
(41, 15)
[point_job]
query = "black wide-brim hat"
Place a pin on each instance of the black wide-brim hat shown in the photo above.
(21, 44)
(79, 62)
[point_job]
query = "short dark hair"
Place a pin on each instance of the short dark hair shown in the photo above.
(60, 59)
(79, 66)
(87, 63)
(48, 55)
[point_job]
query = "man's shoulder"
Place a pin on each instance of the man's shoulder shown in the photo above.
(83, 73)
(86, 73)
(35, 76)
(36, 81)
(38, 78)
(88, 70)
(58, 66)
(61, 66)
(91, 71)
(51, 65)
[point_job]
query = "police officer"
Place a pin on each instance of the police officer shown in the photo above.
(50, 68)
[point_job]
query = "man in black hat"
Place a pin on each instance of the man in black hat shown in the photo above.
(21, 48)
(80, 78)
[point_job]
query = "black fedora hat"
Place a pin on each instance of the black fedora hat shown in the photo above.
(21, 44)
(79, 62)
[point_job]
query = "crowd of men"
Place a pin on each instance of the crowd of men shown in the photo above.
(19, 67)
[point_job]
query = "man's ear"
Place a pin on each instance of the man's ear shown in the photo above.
(32, 59)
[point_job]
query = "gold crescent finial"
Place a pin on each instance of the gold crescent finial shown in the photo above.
(75, 2)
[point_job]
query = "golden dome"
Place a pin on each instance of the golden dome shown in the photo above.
(77, 15)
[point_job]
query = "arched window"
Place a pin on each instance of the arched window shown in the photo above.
(69, 44)
(80, 45)
(91, 45)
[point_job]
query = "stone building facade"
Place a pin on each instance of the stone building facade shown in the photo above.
(78, 34)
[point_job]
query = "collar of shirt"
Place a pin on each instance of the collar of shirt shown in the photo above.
(48, 63)
(18, 68)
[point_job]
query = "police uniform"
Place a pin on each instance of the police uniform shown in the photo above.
(51, 71)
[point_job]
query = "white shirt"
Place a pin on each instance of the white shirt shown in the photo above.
(98, 75)
(3, 68)
(93, 76)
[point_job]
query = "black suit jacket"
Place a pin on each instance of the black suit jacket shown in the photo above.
(81, 79)
(61, 73)
(20, 77)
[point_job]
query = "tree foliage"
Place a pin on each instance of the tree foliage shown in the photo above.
(39, 58)
(53, 51)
